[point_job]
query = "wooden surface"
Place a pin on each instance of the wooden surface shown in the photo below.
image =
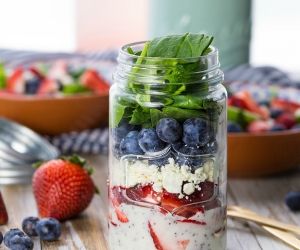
(88, 231)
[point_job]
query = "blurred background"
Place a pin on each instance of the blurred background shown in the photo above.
(85, 25)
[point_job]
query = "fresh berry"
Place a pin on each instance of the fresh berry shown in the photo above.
(233, 127)
(18, 242)
(15, 83)
(287, 106)
(117, 198)
(48, 229)
(1, 237)
(48, 86)
(171, 201)
(258, 126)
(149, 141)
(292, 200)
(32, 85)
(210, 148)
(296, 127)
(29, 224)
(196, 132)
(275, 112)
(286, 119)
(169, 130)
(277, 127)
(10, 234)
(3, 212)
(121, 131)
(143, 193)
(93, 81)
(63, 188)
(154, 237)
(130, 145)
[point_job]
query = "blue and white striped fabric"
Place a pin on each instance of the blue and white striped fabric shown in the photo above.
(96, 141)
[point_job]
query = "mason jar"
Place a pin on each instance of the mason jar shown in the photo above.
(167, 160)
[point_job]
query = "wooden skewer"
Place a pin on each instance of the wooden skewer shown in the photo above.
(288, 238)
(246, 215)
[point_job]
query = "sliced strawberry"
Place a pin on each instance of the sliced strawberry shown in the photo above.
(15, 83)
(93, 81)
(288, 120)
(143, 193)
(183, 244)
(244, 100)
(120, 215)
(285, 105)
(36, 72)
(192, 221)
(48, 86)
(155, 238)
(258, 126)
(3, 212)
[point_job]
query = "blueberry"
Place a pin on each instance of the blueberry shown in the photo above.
(233, 127)
(265, 103)
(32, 85)
(149, 141)
(296, 127)
(130, 145)
(169, 130)
(1, 238)
(28, 225)
(16, 239)
(48, 229)
(292, 200)
(195, 132)
(187, 155)
(275, 112)
(121, 131)
(210, 148)
(277, 127)
(18, 242)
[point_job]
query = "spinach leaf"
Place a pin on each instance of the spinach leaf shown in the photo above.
(119, 111)
(156, 115)
(140, 116)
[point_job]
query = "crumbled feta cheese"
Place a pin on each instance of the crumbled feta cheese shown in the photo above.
(188, 188)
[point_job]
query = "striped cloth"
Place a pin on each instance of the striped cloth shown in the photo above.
(96, 141)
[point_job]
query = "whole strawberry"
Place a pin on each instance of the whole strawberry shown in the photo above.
(63, 188)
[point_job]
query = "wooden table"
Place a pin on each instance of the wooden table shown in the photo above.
(88, 231)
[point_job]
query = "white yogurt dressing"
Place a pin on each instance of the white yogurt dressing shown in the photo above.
(135, 235)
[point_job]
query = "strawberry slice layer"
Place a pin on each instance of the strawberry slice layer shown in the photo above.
(183, 244)
(193, 222)
(155, 238)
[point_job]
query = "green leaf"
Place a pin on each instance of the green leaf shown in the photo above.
(156, 115)
(241, 116)
(182, 114)
(140, 116)
(75, 88)
(2, 76)
(76, 159)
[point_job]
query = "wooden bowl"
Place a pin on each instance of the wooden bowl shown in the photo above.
(56, 115)
(257, 155)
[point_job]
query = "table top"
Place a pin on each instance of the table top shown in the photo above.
(88, 231)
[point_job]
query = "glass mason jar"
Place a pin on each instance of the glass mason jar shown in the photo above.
(168, 170)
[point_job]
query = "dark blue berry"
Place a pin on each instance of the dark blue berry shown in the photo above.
(16, 239)
(196, 132)
(1, 238)
(29, 224)
(233, 127)
(265, 103)
(210, 148)
(169, 130)
(296, 127)
(149, 141)
(130, 145)
(187, 155)
(121, 131)
(32, 85)
(48, 229)
(275, 112)
(292, 200)
(21, 243)
(277, 127)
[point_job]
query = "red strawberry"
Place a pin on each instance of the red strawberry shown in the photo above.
(155, 238)
(192, 222)
(287, 120)
(117, 198)
(143, 193)
(15, 83)
(63, 188)
(258, 126)
(48, 86)
(93, 81)
(3, 212)
(183, 244)
(286, 105)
